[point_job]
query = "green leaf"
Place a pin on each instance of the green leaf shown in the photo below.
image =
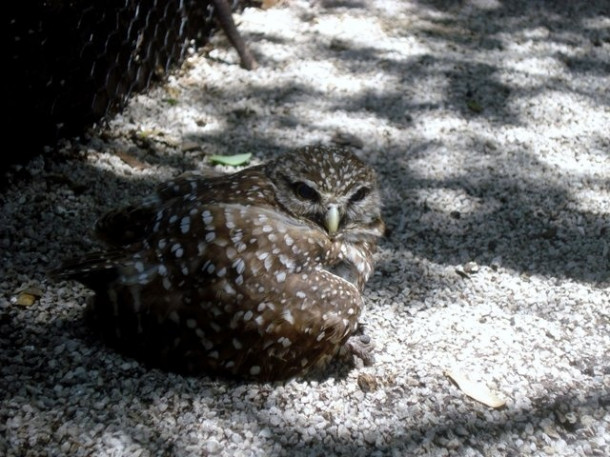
(234, 160)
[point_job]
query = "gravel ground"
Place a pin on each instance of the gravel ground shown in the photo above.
(488, 123)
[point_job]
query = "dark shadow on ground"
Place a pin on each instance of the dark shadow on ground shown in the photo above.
(534, 228)
(116, 392)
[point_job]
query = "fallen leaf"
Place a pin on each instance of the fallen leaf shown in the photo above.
(188, 146)
(234, 160)
(25, 299)
(27, 296)
(266, 4)
(132, 160)
(475, 390)
(367, 382)
(173, 92)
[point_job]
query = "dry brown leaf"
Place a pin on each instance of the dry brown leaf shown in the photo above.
(475, 390)
(367, 382)
(266, 4)
(132, 160)
(25, 299)
(27, 296)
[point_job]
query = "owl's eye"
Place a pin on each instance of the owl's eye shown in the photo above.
(359, 195)
(306, 192)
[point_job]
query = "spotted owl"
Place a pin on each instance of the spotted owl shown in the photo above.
(257, 274)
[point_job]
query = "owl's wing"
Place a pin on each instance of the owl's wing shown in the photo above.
(131, 224)
(126, 225)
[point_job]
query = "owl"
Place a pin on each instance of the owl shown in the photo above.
(257, 274)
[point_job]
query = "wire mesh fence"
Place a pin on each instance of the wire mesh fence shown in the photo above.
(73, 63)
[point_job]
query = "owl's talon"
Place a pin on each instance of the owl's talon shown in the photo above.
(362, 347)
(365, 339)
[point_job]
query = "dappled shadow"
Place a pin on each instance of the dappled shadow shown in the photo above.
(99, 388)
(448, 423)
(511, 218)
(529, 225)
(487, 31)
(505, 216)
(132, 402)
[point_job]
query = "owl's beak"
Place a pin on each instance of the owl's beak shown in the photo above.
(331, 220)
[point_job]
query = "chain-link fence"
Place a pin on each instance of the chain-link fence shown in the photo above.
(74, 62)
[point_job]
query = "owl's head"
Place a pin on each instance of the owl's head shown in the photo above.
(330, 187)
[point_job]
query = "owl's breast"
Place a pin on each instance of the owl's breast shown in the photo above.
(354, 262)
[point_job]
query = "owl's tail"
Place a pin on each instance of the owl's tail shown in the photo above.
(91, 270)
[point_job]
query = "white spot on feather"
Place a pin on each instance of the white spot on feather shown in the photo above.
(288, 317)
(177, 250)
(239, 265)
(207, 218)
(185, 224)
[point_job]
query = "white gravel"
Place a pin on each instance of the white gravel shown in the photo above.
(488, 123)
